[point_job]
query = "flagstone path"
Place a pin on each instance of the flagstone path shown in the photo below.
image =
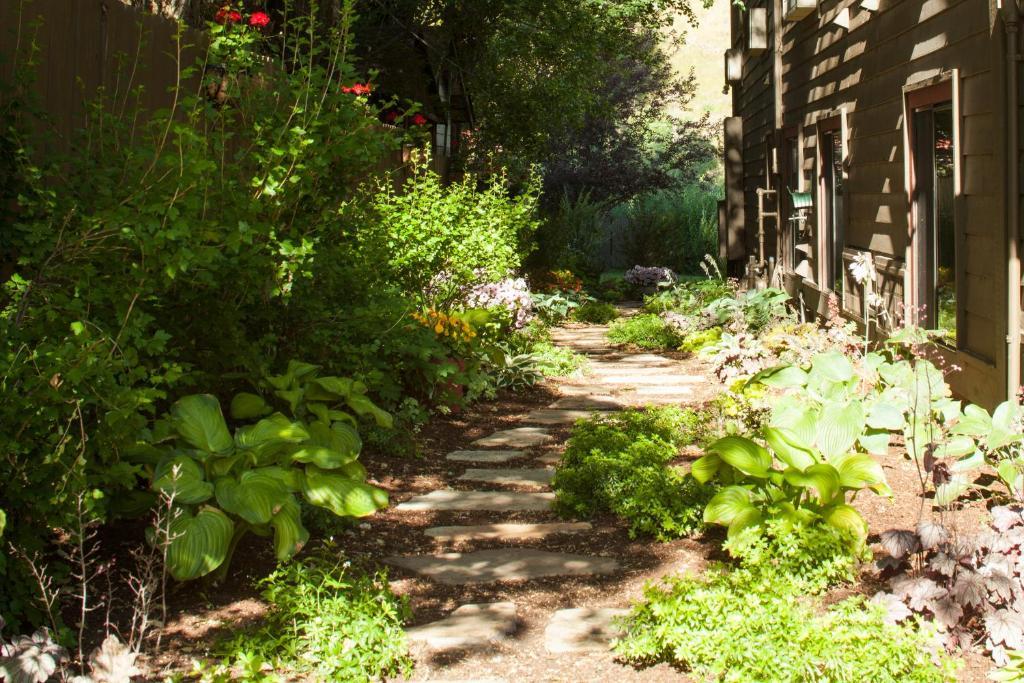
(572, 577)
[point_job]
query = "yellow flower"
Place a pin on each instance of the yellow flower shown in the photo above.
(438, 328)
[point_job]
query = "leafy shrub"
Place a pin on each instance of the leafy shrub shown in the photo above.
(813, 556)
(556, 361)
(751, 311)
(622, 464)
(733, 627)
(328, 620)
(645, 331)
(596, 312)
(555, 306)
(698, 341)
(690, 297)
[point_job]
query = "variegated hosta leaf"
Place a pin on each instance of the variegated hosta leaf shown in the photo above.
(199, 543)
(1006, 627)
(900, 542)
(182, 478)
(895, 609)
(341, 495)
(256, 496)
(289, 534)
(932, 535)
(199, 420)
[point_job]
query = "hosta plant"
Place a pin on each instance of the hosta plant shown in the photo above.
(970, 585)
(228, 483)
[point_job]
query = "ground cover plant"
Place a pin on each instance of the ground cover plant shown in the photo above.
(596, 312)
(644, 331)
(623, 464)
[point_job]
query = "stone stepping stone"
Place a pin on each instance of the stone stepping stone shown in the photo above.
(649, 379)
(583, 629)
(515, 477)
(484, 456)
(555, 416)
(519, 437)
(663, 391)
(503, 564)
(592, 403)
(493, 501)
(584, 390)
(468, 627)
(551, 459)
(514, 531)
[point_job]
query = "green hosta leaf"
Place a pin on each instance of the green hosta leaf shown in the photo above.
(324, 458)
(831, 366)
(875, 441)
(320, 411)
(780, 377)
(293, 397)
(857, 471)
(727, 506)
(289, 534)
(899, 374)
(948, 409)
(917, 437)
(1011, 473)
(792, 515)
(1003, 432)
(948, 493)
(353, 470)
(749, 517)
(276, 429)
(199, 420)
(886, 416)
(3, 522)
(331, 389)
(246, 406)
(256, 496)
(974, 422)
(743, 454)
(971, 462)
(798, 419)
(927, 385)
(846, 518)
(364, 406)
(199, 544)
(290, 477)
(340, 437)
(823, 478)
(182, 478)
(341, 495)
(839, 426)
(705, 468)
(787, 450)
(955, 447)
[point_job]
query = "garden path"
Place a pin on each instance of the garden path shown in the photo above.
(515, 592)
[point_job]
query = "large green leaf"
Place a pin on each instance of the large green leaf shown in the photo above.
(745, 519)
(1004, 431)
(3, 522)
(875, 441)
(857, 471)
(787, 450)
(798, 417)
(364, 406)
(341, 495)
(289, 534)
(745, 455)
(955, 447)
(822, 477)
(270, 436)
(780, 377)
(331, 389)
(846, 518)
(340, 437)
(885, 415)
(974, 422)
(290, 477)
(199, 544)
(928, 384)
(182, 478)
(839, 426)
(1011, 473)
(947, 494)
(324, 458)
(256, 496)
(705, 468)
(247, 406)
(832, 366)
(727, 505)
(199, 420)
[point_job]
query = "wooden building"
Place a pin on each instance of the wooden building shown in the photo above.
(889, 127)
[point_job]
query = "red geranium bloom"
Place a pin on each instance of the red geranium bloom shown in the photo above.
(226, 15)
(357, 89)
(420, 120)
(259, 19)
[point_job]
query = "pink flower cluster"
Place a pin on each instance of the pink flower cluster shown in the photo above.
(649, 276)
(511, 294)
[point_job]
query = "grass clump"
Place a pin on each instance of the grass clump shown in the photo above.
(733, 626)
(596, 312)
(328, 620)
(622, 464)
(645, 331)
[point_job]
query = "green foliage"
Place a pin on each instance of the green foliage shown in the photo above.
(556, 361)
(645, 331)
(623, 464)
(596, 312)
(755, 309)
(734, 627)
(253, 476)
(673, 227)
(690, 297)
(327, 620)
(813, 556)
(555, 306)
(698, 341)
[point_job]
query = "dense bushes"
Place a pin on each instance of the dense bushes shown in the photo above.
(623, 464)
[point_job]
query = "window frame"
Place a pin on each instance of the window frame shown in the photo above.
(790, 143)
(927, 94)
(830, 127)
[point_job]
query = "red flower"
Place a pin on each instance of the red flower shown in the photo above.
(357, 89)
(419, 120)
(226, 15)
(259, 19)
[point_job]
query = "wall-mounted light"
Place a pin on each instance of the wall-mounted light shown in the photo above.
(733, 66)
(870, 5)
(757, 30)
(842, 18)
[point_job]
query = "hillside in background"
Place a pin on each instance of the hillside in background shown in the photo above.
(702, 52)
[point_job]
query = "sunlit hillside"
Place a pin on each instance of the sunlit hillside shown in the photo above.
(702, 52)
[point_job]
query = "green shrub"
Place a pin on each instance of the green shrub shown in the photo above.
(646, 331)
(596, 312)
(622, 464)
(698, 341)
(329, 621)
(556, 361)
(814, 557)
(733, 627)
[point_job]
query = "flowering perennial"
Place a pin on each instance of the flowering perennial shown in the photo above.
(446, 325)
(259, 19)
(649, 276)
(226, 15)
(512, 294)
(357, 89)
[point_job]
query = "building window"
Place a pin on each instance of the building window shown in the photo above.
(833, 214)
(792, 185)
(933, 158)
